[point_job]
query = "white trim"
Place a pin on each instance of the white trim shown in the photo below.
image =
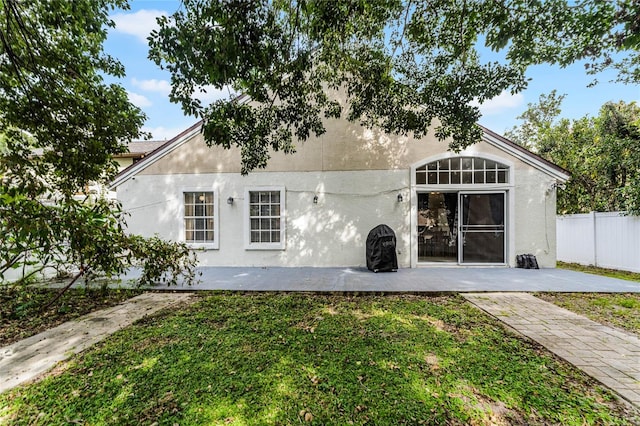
(213, 245)
(507, 232)
(248, 245)
(465, 153)
(509, 223)
(151, 159)
(529, 159)
(413, 223)
(507, 188)
(458, 186)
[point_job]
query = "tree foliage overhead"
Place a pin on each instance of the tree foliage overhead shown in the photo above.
(405, 65)
(54, 100)
(602, 153)
(60, 125)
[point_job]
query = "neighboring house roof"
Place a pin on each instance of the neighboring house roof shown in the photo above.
(488, 136)
(156, 154)
(138, 149)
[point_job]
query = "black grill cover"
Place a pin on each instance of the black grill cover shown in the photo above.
(381, 249)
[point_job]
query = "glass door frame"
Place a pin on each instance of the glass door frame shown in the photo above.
(508, 225)
(508, 187)
(415, 236)
(505, 231)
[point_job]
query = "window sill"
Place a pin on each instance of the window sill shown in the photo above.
(202, 246)
(274, 247)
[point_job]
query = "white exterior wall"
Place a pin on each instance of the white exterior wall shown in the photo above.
(531, 204)
(356, 173)
(533, 213)
(332, 232)
(123, 162)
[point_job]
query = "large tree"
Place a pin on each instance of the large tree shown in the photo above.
(602, 153)
(60, 125)
(404, 64)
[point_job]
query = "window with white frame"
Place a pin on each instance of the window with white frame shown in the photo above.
(462, 170)
(200, 221)
(265, 218)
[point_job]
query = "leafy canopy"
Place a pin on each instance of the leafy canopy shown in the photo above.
(602, 153)
(404, 65)
(60, 126)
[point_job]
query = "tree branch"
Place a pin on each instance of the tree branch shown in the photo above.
(64, 290)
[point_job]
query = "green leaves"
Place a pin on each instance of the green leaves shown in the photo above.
(60, 127)
(52, 90)
(602, 153)
(402, 65)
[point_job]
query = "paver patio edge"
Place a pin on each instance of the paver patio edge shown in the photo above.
(28, 359)
(610, 356)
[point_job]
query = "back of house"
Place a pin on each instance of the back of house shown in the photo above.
(481, 206)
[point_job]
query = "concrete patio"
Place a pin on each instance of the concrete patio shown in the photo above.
(435, 279)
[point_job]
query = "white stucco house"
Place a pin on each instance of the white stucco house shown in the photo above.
(482, 206)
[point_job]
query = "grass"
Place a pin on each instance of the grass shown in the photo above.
(620, 310)
(293, 358)
(22, 314)
(612, 273)
(613, 309)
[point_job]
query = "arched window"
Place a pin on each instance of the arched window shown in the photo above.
(462, 170)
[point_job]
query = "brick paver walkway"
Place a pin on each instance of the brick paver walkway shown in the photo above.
(609, 355)
(29, 358)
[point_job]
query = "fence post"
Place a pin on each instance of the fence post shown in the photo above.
(595, 238)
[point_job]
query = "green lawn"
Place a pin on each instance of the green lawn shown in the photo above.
(613, 273)
(296, 358)
(616, 310)
(613, 309)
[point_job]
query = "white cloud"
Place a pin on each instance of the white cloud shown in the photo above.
(153, 85)
(209, 94)
(138, 24)
(163, 133)
(504, 101)
(139, 100)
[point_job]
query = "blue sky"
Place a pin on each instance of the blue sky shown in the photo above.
(148, 86)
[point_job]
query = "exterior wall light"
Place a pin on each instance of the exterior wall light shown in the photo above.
(315, 199)
(230, 201)
(400, 199)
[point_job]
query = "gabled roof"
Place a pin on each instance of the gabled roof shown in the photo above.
(524, 154)
(488, 136)
(156, 154)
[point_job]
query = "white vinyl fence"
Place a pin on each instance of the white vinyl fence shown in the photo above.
(607, 240)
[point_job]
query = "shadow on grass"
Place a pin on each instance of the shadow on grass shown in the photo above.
(292, 358)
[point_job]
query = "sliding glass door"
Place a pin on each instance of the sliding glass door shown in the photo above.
(437, 227)
(482, 227)
(461, 227)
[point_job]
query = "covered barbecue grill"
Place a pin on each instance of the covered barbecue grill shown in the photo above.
(381, 249)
